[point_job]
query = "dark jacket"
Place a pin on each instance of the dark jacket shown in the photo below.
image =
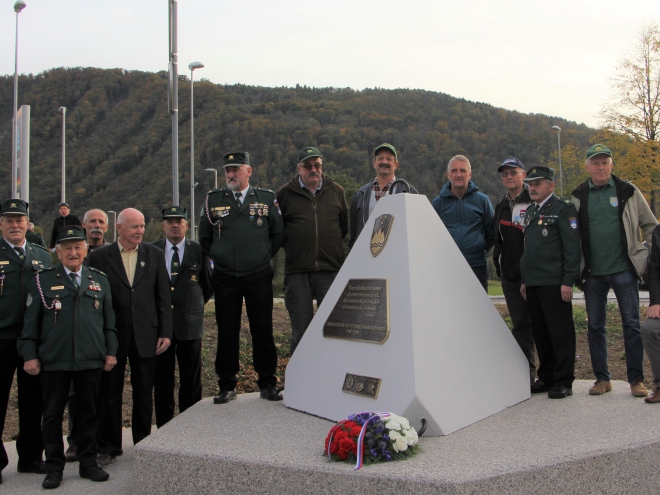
(360, 208)
(83, 333)
(15, 275)
(508, 235)
(469, 220)
(60, 222)
(243, 239)
(190, 291)
(552, 245)
(314, 226)
(35, 238)
(634, 213)
(654, 269)
(143, 312)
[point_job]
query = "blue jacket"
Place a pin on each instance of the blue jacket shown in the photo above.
(469, 220)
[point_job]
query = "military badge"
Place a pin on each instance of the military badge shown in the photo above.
(29, 300)
(544, 232)
(260, 222)
(573, 222)
(277, 205)
(142, 264)
(614, 201)
(96, 304)
(193, 278)
(380, 234)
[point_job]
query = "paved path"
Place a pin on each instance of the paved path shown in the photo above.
(121, 476)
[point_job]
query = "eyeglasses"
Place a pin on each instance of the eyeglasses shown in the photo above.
(510, 173)
(309, 166)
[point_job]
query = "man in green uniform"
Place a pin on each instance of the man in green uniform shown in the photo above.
(19, 261)
(550, 266)
(69, 337)
(241, 229)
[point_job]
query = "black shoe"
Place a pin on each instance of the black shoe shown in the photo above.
(52, 479)
(104, 460)
(71, 454)
(538, 387)
(37, 467)
(560, 392)
(269, 392)
(93, 473)
(224, 396)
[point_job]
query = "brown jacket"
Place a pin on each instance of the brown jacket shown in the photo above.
(314, 226)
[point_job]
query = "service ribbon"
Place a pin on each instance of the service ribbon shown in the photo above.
(360, 442)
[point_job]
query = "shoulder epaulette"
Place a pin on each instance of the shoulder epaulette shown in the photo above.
(265, 190)
(214, 191)
(46, 269)
(39, 246)
(92, 269)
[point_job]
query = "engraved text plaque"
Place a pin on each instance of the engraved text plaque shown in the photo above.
(361, 385)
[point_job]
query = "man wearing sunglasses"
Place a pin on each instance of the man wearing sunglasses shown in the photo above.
(315, 224)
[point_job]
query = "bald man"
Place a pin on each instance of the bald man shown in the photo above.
(140, 288)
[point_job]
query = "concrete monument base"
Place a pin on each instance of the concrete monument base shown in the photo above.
(582, 444)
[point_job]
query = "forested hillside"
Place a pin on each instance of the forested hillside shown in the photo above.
(119, 136)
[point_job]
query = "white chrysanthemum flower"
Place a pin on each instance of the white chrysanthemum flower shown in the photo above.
(400, 444)
(411, 436)
(405, 424)
(394, 435)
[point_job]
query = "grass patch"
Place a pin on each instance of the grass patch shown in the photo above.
(495, 288)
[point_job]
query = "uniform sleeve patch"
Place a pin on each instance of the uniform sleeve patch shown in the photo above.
(277, 205)
(573, 222)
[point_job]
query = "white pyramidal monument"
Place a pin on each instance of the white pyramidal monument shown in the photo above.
(407, 328)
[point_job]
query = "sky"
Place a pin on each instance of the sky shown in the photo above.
(556, 58)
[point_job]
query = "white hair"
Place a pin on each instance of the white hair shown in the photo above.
(459, 158)
(95, 209)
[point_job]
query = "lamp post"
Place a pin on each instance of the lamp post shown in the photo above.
(561, 173)
(18, 7)
(63, 110)
(192, 66)
(173, 96)
(215, 173)
(114, 214)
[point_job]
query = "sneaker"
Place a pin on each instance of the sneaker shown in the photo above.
(104, 460)
(601, 387)
(638, 389)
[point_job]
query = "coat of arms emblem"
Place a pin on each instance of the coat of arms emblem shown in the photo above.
(381, 233)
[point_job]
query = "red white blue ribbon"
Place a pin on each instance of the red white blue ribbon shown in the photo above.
(360, 442)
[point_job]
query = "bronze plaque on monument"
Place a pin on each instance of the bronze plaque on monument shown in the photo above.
(361, 385)
(362, 312)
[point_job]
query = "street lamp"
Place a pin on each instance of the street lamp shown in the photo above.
(561, 173)
(192, 66)
(18, 7)
(114, 213)
(63, 110)
(215, 173)
(173, 95)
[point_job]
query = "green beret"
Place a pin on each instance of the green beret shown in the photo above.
(537, 173)
(175, 212)
(309, 152)
(70, 233)
(236, 159)
(14, 207)
(598, 149)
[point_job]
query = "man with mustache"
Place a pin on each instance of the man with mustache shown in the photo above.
(19, 262)
(315, 224)
(550, 266)
(468, 215)
(95, 223)
(241, 229)
(385, 163)
(69, 337)
(190, 281)
(143, 310)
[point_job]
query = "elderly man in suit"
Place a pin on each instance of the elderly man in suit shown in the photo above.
(141, 300)
(190, 283)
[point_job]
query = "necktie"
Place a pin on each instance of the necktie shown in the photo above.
(174, 267)
(238, 198)
(21, 252)
(74, 279)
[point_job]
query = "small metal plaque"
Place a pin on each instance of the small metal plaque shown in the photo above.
(361, 385)
(362, 312)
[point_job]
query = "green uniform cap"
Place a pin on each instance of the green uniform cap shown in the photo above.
(386, 146)
(14, 207)
(175, 212)
(309, 152)
(70, 233)
(598, 149)
(236, 159)
(537, 173)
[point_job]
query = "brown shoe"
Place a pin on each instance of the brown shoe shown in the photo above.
(600, 387)
(638, 389)
(655, 397)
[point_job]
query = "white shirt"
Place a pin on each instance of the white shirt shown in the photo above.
(169, 252)
(78, 273)
(540, 205)
(24, 245)
(243, 194)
